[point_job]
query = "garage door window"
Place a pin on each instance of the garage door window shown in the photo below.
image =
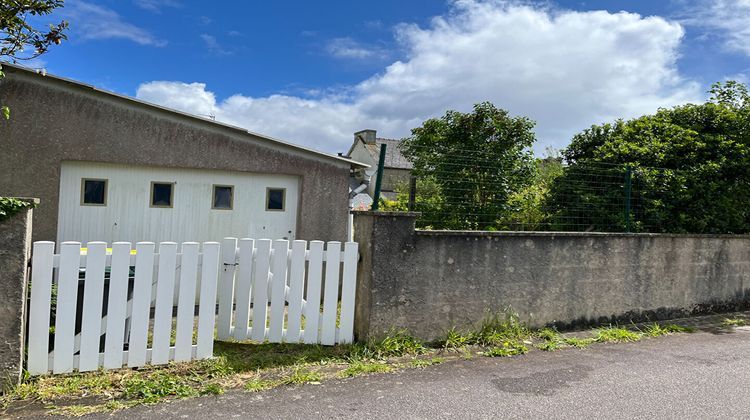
(275, 199)
(162, 194)
(223, 197)
(93, 192)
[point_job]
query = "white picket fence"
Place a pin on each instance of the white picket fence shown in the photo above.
(253, 276)
(256, 272)
(127, 320)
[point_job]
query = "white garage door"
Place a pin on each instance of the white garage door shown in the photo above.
(105, 202)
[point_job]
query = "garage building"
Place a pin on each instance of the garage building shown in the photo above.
(110, 168)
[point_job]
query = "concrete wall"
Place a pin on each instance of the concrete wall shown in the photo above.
(430, 281)
(54, 120)
(15, 251)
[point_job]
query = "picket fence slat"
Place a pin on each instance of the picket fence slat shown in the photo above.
(331, 294)
(65, 310)
(296, 289)
(93, 291)
(186, 301)
(278, 289)
(260, 289)
(348, 292)
(164, 301)
(116, 305)
(141, 306)
(226, 287)
(243, 286)
(314, 280)
(207, 308)
(39, 308)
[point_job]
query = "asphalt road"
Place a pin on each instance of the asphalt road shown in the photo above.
(700, 375)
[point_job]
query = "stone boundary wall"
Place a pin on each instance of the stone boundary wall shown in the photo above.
(15, 253)
(430, 281)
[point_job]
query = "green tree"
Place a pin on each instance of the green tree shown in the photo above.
(473, 163)
(690, 169)
(19, 40)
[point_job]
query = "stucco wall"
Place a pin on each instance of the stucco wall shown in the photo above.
(15, 251)
(429, 281)
(54, 120)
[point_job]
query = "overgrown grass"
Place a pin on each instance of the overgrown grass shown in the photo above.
(257, 367)
(658, 330)
(551, 339)
(494, 331)
(506, 349)
(362, 368)
(734, 322)
(577, 342)
(616, 335)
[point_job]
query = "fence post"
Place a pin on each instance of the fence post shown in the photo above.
(379, 179)
(628, 195)
(412, 192)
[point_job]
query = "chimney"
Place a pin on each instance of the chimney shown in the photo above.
(367, 136)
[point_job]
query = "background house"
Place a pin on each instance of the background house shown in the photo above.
(396, 168)
(110, 168)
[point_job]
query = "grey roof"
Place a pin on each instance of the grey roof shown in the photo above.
(393, 157)
(194, 117)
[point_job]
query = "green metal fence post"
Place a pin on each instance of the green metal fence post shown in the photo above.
(379, 179)
(628, 195)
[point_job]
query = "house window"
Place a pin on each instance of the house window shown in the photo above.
(275, 199)
(223, 197)
(93, 192)
(162, 194)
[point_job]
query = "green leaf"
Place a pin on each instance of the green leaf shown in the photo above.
(6, 112)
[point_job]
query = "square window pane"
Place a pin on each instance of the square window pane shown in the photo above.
(275, 199)
(94, 191)
(161, 194)
(222, 197)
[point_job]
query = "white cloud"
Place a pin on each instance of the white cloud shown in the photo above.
(91, 21)
(213, 46)
(156, 6)
(348, 48)
(566, 70)
(188, 97)
(727, 19)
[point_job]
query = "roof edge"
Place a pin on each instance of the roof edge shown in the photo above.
(183, 114)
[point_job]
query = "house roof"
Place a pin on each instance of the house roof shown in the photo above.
(195, 118)
(393, 157)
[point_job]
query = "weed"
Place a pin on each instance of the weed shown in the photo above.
(506, 349)
(580, 343)
(362, 368)
(256, 385)
(616, 335)
(552, 339)
(212, 389)
(497, 329)
(156, 387)
(455, 339)
(733, 322)
(302, 376)
(656, 329)
(396, 343)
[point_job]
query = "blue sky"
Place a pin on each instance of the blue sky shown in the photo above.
(314, 72)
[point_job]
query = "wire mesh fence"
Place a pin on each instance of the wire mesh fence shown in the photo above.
(469, 192)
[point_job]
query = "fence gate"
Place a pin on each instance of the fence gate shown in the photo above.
(271, 292)
(111, 308)
(93, 309)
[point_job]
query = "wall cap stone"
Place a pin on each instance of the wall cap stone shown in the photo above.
(29, 200)
(386, 213)
(481, 233)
